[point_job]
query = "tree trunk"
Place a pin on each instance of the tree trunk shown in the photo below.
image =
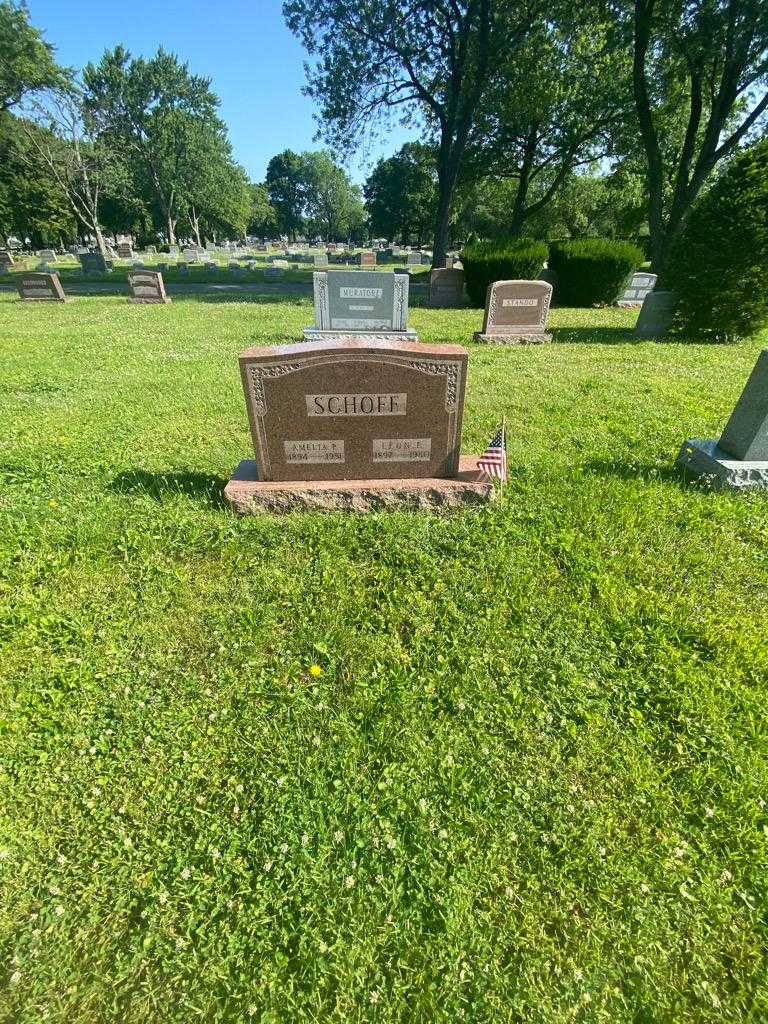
(99, 238)
(170, 228)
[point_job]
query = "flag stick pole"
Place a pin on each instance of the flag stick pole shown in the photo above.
(504, 451)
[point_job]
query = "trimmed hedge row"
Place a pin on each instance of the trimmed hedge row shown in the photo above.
(485, 262)
(591, 271)
(718, 265)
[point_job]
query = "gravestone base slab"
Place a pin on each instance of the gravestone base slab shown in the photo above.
(248, 495)
(151, 302)
(703, 458)
(315, 334)
(533, 338)
(45, 298)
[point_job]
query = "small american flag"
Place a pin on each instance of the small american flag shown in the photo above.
(493, 461)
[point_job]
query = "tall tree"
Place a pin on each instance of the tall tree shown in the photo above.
(31, 202)
(705, 61)
(426, 60)
(332, 203)
(262, 218)
(153, 109)
(552, 106)
(61, 140)
(401, 193)
(26, 59)
(285, 184)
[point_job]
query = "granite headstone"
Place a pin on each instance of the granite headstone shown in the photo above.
(39, 287)
(739, 460)
(516, 313)
(446, 288)
(147, 287)
(348, 302)
(640, 284)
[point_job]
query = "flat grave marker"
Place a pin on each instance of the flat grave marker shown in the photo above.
(40, 287)
(147, 287)
(516, 313)
(355, 423)
(348, 302)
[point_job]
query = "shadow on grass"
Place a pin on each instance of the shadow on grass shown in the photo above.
(203, 487)
(255, 298)
(594, 336)
(623, 469)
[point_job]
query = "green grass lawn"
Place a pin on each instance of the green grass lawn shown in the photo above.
(525, 780)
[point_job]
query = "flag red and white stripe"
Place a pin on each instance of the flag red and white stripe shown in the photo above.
(493, 461)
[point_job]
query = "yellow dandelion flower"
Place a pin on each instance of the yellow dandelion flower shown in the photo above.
(315, 670)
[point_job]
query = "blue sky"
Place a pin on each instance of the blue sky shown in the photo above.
(243, 45)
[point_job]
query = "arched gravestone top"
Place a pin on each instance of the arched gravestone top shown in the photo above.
(34, 286)
(516, 312)
(355, 409)
(147, 287)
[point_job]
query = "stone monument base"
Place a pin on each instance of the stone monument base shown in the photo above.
(705, 459)
(518, 338)
(315, 334)
(151, 302)
(247, 495)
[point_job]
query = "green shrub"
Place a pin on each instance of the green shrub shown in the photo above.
(719, 263)
(520, 259)
(591, 271)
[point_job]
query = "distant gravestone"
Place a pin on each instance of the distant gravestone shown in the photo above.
(639, 285)
(516, 313)
(173, 250)
(147, 286)
(48, 255)
(124, 251)
(348, 302)
(94, 263)
(151, 250)
(280, 264)
(210, 246)
(413, 259)
(355, 423)
(739, 460)
(210, 265)
(191, 255)
(656, 314)
(446, 288)
(367, 259)
(320, 259)
(39, 287)
(274, 271)
(6, 260)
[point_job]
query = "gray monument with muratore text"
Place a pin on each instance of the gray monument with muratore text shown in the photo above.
(739, 460)
(348, 302)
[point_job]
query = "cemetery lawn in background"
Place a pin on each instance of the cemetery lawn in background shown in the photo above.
(507, 764)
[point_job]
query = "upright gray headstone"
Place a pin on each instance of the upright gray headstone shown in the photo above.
(6, 260)
(656, 314)
(640, 284)
(94, 263)
(350, 303)
(739, 460)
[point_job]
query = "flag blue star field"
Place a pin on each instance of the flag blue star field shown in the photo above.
(493, 461)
